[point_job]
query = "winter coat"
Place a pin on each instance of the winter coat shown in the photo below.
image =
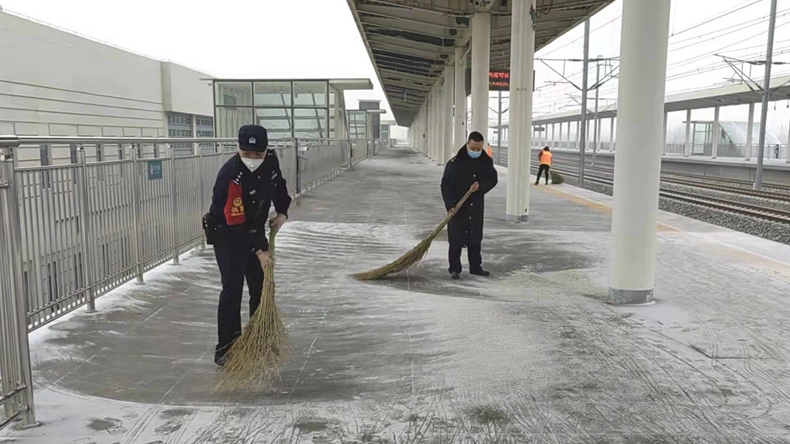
(460, 173)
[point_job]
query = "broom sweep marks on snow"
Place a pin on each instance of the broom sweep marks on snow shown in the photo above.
(413, 256)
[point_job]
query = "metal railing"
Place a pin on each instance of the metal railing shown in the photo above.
(16, 386)
(73, 231)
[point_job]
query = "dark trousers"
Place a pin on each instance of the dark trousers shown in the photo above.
(235, 265)
(543, 167)
(473, 252)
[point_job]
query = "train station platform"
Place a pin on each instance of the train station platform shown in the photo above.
(531, 354)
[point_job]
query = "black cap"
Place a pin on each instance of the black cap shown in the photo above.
(253, 138)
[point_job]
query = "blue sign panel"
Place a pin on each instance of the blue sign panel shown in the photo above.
(154, 169)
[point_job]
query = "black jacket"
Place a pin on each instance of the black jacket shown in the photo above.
(459, 174)
(241, 200)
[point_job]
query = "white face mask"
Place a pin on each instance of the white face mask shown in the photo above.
(252, 164)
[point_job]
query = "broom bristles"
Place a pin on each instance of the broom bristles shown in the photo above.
(413, 256)
(255, 358)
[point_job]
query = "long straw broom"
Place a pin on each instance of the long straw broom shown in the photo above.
(413, 256)
(255, 358)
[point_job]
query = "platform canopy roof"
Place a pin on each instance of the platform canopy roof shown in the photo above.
(410, 41)
(726, 95)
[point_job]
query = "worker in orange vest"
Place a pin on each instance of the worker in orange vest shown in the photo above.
(489, 152)
(544, 157)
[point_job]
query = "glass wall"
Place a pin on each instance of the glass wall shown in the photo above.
(357, 124)
(285, 108)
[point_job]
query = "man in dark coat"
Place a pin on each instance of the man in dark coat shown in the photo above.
(471, 169)
(246, 187)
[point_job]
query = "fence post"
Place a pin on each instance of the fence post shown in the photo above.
(298, 172)
(350, 154)
(17, 333)
(86, 229)
(202, 194)
(174, 202)
(134, 154)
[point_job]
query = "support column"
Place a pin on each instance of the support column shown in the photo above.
(559, 140)
(437, 110)
(687, 149)
(519, 155)
(481, 47)
(750, 133)
(664, 141)
(459, 108)
(447, 113)
(435, 130)
(611, 135)
(645, 24)
(787, 147)
(716, 133)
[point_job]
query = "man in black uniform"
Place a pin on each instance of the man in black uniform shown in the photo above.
(471, 169)
(246, 187)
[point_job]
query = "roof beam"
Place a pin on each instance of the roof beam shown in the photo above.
(409, 86)
(403, 75)
(419, 17)
(408, 26)
(398, 44)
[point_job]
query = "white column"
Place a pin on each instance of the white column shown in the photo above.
(481, 47)
(432, 126)
(559, 139)
(440, 125)
(687, 149)
(447, 113)
(459, 130)
(611, 136)
(664, 141)
(787, 147)
(643, 66)
(519, 157)
(568, 139)
(750, 132)
(716, 132)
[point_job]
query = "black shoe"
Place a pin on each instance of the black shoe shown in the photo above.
(221, 355)
(455, 276)
(480, 272)
(536, 183)
(220, 359)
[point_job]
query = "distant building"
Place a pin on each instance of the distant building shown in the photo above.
(56, 83)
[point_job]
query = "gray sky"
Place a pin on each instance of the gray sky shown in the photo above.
(318, 38)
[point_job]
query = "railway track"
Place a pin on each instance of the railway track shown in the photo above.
(757, 211)
(696, 180)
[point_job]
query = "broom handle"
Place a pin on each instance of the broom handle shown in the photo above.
(463, 199)
(449, 216)
(272, 233)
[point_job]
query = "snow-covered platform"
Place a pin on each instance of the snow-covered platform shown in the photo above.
(531, 354)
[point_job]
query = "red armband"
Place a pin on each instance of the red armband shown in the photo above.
(234, 206)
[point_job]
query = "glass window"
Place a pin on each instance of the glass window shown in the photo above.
(277, 121)
(310, 94)
(272, 93)
(233, 93)
(311, 123)
(229, 120)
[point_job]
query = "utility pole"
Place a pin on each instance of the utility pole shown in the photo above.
(583, 135)
(596, 130)
(769, 52)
